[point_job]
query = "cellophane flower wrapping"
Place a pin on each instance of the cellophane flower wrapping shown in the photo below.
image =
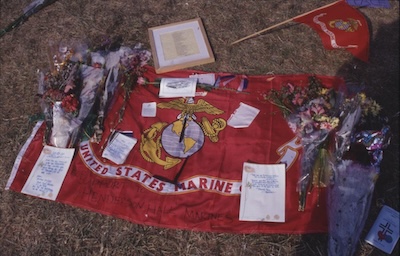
(311, 113)
(63, 127)
(311, 176)
(349, 200)
(338, 153)
(78, 89)
(355, 164)
(60, 88)
(124, 68)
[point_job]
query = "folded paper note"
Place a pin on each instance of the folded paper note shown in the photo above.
(118, 148)
(204, 78)
(263, 193)
(243, 116)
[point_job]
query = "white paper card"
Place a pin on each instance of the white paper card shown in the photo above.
(204, 78)
(263, 193)
(177, 87)
(384, 234)
(49, 172)
(149, 109)
(243, 116)
(118, 148)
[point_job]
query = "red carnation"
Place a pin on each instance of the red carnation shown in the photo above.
(70, 104)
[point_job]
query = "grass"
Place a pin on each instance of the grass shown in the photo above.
(31, 226)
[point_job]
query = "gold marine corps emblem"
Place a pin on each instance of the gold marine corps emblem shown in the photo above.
(349, 25)
(183, 137)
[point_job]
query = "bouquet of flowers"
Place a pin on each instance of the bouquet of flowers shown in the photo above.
(312, 113)
(338, 153)
(59, 89)
(79, 88)
(124, 68)
(357, 154)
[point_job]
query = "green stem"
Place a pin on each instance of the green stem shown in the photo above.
(281, 106)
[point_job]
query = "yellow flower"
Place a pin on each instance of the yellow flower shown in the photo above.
(334, 122)
(375, 108)
(320, 118)
(324, 91)
(363, 97)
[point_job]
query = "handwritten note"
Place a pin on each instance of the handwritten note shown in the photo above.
(119, 147)
(263, 193)
(49, 172)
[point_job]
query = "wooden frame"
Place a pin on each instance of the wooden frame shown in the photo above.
(180, 45)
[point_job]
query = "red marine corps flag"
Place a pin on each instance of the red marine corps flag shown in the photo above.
(340, 26)
(185, 171)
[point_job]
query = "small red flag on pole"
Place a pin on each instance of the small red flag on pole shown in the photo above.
(339, 25)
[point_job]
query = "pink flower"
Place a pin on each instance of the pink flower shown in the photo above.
(298, 99)
(306, 113)
(69, 87)
(326, 126)
(291, 87)
(141, 81)
(317, 109)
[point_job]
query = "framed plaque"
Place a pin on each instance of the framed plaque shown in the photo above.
(180, 45)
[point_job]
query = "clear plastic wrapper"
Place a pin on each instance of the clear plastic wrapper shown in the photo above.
(338, 153)
(349, 200)
(75, 82)
(63, 127)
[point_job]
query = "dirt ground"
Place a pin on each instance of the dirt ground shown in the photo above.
(31, 226)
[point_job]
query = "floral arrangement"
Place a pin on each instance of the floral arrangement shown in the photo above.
(59, 89)
(78, 90)
(124, 69)
(338, 153)
(312, 113)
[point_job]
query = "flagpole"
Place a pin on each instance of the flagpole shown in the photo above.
(24, 17)
(281, 23)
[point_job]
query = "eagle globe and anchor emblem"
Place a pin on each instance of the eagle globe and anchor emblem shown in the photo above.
(183, 137)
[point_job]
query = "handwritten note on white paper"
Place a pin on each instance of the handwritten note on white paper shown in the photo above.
(177, 87)
(263, 193)
(49, 172)
(118, 148)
